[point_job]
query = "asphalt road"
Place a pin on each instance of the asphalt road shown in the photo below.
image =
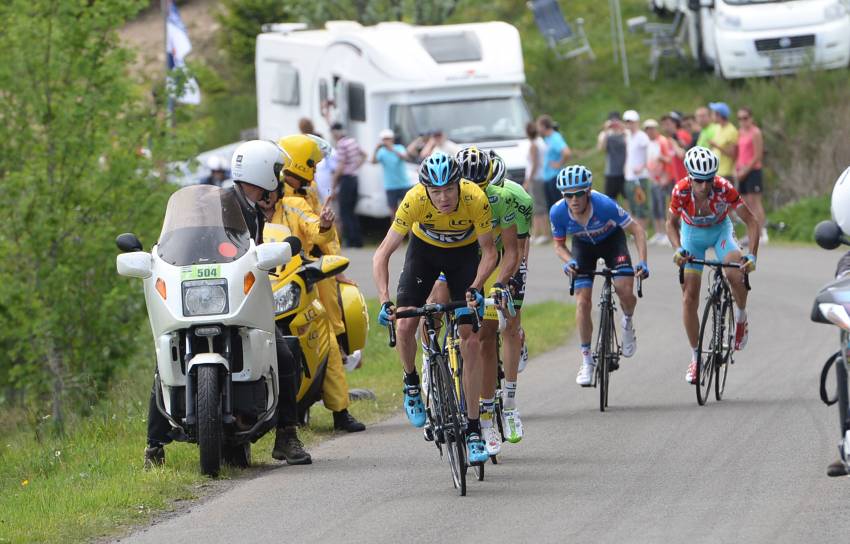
(654, 468)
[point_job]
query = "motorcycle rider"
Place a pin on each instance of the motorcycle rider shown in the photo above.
(318, 237)
(255, 167)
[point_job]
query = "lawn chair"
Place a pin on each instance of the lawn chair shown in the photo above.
(665, 39)
(558, 33)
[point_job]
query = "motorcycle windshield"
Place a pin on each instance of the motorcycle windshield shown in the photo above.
(203, 224)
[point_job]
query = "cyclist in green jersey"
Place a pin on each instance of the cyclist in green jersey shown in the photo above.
(523, 205)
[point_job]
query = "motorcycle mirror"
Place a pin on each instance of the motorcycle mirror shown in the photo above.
(294, 243)
(828, 235)
(128, 242)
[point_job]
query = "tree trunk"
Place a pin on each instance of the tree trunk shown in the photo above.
(56, 365)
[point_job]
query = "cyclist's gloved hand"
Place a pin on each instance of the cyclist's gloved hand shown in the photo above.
(748, 263)
(642, 269)
(514, 286)
(571, 267)
(473, 296)
(387, 310)
(681, 256)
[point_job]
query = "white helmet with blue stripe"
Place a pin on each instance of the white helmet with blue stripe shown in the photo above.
(574, 178)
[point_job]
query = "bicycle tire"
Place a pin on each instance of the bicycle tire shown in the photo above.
(453, 433)
(602, 354)
(705, 364)
(727, 347)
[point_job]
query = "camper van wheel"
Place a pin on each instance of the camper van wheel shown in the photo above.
(209, 419)
(237, 455)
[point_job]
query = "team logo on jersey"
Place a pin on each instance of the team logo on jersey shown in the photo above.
(493, 198)
(460, 222)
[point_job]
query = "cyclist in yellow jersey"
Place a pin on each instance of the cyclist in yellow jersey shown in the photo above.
(446, 216)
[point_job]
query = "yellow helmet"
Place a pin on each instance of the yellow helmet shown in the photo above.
(355, 315)
(305, 153)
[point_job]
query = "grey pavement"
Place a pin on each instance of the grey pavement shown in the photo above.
(654, 468)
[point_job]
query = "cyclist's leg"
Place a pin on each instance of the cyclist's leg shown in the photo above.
(460, 273)
(617, 258)
(511, 340)
(727, 250)
(694, 242)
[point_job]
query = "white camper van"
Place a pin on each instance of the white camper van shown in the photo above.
(743, 38)
(465, 80)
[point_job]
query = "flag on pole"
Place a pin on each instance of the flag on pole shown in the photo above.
(177, 47)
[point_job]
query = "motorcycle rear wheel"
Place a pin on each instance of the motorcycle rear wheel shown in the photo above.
(209, 420)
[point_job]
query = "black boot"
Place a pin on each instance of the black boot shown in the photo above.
(287, 447)
(154, 457)
(836, 468)
(344, 421)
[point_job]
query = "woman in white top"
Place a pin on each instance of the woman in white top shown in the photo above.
(533, 183)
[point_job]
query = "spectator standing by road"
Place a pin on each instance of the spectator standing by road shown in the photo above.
(557, 154)
(612, 140)
(690, 125)
(680, 139)
(533, 183)
(392, 157)
(724, 141)
(748, 166)
(636, 174)
(659, 156)
(706, 126)
(350, 157)
(438, 141)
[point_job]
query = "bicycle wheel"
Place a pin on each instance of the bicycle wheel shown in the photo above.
(706, 351)
(497, 415)
(452, 427)
(603, 348)
(727, 347)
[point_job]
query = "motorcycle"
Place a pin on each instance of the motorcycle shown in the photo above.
(300, 313)
(831, 306)
(209, 302)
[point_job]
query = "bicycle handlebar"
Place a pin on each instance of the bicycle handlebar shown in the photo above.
(605, 273)
(712, 264)
(431, 309)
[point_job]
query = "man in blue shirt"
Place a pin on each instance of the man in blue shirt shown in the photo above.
(598, 226)
(556, 156)
(392, 157)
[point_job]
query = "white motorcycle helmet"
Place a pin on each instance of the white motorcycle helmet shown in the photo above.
(259, 163)
(840, 204)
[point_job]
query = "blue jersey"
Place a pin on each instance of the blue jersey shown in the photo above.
(606, 217)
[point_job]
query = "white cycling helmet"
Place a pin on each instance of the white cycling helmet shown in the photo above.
(701, 163)
(259, 163)
(840, 204)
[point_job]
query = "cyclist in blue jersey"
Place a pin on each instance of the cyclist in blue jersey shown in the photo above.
(597, 226)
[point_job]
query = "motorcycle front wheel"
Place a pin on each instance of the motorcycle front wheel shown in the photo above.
(209, 420)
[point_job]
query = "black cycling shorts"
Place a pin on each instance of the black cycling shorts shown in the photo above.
(519, 280)
(423, 264)
(751, 183)
(614, 250)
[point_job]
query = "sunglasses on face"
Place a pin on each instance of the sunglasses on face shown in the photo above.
(697, 180)
(577, 194)
(743, 117)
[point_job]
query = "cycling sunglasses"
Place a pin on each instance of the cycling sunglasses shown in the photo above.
(698, 180)
(577, 194)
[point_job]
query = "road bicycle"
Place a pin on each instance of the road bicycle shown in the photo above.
(716, 345)
(444, 405)
(606, 354)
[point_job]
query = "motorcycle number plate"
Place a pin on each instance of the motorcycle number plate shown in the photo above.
(200, 272)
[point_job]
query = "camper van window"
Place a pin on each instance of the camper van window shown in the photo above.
(452, 46)
(463, 121)
(323, 92)
(356, 102)
(286, 86)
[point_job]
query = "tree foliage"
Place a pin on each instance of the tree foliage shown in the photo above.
(72, 124)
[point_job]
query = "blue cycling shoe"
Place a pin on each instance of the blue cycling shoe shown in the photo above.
(413, 405)
(476, 450)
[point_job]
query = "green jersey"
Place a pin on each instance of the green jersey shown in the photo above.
(502, 210)
(523, 206)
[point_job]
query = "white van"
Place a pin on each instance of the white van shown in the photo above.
(465, 80)
(744, 38)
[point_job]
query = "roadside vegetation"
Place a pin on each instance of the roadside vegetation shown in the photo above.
(90, 482)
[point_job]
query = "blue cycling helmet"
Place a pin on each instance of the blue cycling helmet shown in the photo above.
(439, 170)
(574, 178)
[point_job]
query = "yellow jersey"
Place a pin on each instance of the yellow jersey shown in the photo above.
(471, 217)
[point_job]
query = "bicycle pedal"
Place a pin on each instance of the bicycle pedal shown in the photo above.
(589, 385)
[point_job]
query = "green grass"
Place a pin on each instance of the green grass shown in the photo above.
(90, 482)
(800, 218)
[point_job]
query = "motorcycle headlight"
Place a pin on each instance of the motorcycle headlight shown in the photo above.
(836, 314)
(287, 298)
(204, 297)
